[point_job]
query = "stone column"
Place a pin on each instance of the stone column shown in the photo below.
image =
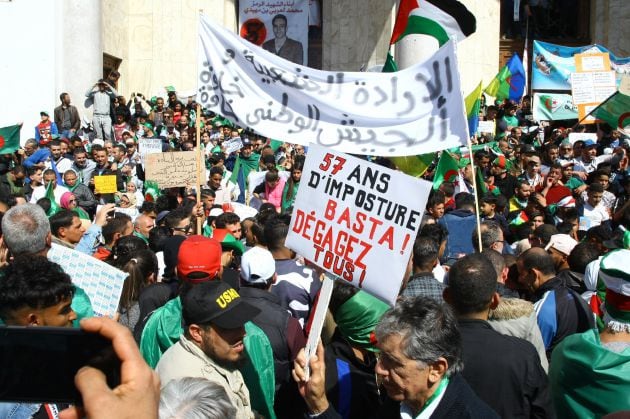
(415, 48)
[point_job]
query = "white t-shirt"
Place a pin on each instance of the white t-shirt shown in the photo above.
(593, 216)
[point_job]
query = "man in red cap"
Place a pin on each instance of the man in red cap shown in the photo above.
(198, 261)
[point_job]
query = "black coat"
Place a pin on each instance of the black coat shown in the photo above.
(504, 371)
(459, 401)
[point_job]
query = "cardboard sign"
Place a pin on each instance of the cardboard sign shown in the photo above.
(172, 169)
(105, 184)
(148, 146)
(357, 220)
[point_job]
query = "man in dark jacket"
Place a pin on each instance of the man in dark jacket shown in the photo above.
(419, 365)
(504, 371)
(258, 273)
(67, 117)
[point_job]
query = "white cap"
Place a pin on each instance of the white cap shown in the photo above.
(257, 265)
(563, 243)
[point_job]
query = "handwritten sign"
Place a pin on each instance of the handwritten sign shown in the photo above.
(105, 184)
(357, 220)
(414, 111)
(172, 169)
(101, 282)
(148, 146)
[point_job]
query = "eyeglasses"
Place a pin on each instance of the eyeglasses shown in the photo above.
(131, 145)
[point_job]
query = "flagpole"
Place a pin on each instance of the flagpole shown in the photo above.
(595, 108)
(474, 174)
(200, 165)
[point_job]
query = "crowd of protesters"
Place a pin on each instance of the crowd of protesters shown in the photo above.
(535, 323)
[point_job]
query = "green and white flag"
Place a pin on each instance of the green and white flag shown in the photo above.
(553, 107)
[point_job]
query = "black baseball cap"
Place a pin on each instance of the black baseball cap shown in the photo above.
(217, 303)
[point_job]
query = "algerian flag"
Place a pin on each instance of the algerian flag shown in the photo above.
(441, 19)
(9, 139)
(616, 112)
(50, 194)
(447, 170)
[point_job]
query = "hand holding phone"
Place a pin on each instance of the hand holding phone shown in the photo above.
(138, 394)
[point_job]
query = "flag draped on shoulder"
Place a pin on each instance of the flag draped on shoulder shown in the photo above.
(50, 194)
(615, 112)
(9, 139)
(509, 83)
(473, 104)
(441, 19)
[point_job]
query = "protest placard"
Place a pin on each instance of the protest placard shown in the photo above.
(486, 127)
(101, 282)
(351, 215)
(105, 184)
(232, 145)
(148, 146)
(171, 169)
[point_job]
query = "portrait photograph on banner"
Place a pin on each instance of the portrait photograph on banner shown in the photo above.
(278, 27)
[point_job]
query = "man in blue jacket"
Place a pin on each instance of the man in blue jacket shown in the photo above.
(460, 224)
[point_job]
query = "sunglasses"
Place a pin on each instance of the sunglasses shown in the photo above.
(183, 229)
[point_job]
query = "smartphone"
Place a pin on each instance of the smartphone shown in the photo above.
(38, 364)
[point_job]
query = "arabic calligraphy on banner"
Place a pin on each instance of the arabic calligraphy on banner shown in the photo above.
(414, 111)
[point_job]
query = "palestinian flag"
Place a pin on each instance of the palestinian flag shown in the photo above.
(616, 112)
(510, 82)
(447, 170)
(473, 104)
(441, 19)
(9, 139)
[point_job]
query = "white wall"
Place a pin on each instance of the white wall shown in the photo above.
(48, 47)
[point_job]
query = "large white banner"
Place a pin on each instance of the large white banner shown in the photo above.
(357, 220)
(280, 27)
(414, 111)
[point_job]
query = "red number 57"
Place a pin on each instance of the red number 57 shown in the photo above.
(328, 162)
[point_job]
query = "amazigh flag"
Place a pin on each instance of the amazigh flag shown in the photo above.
(473, 104)
(447, 170)
(510, 82)
(414, 166)
(441, 19)
(616, 112)
(10, 139)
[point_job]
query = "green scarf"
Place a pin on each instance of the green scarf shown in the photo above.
(81, 213)
(357, 318)
(246, 165)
